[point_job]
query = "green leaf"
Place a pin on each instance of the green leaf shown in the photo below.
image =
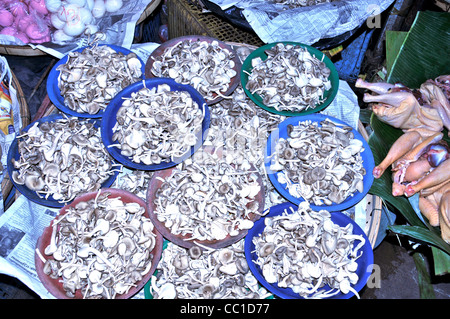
(424, 281)
(418, 59)
(423, 234)
(441, 262)
(387, 134)
(394, 42)
(365, 115)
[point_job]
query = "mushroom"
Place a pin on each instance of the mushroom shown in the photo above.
(266, 249)
(18, 178)
(34, 182)
(329, 242)
(195, 252)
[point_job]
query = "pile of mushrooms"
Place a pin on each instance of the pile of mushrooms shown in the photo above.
(207, 198)
(206, 66)
(319, 162)
(305, 250)
(290, 79)
(195, 274)
(242, 128)
(101, 247)
(62, 158)
(134, 181)
(157, 125)
(90, 79)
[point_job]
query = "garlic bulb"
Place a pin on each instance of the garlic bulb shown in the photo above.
(53, 5)
(76, 17)
(113, 5)
(74, 27)
(56, 21)
(99, 9)
(79, 3)
(59, 36)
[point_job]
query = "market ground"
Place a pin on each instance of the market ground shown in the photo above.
(396, 276)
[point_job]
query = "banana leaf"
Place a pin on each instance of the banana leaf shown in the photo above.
(422, 234)
(441, 262)
(424, 280)
(423, 54)
(394, 42)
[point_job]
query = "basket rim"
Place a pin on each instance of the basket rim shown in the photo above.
(7, 184)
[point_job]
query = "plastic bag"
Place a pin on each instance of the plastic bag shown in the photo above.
(273, 22)
(24, 22)
(10, 117)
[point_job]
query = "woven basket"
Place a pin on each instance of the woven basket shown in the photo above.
(373, 206)
(7, 185)
(21, 50)
(185, 18)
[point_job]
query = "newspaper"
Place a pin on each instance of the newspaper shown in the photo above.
(273, 22)
(118, 28)
(23, 223)
(20, 227)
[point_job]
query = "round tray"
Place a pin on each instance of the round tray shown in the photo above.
(109, 120)
(180, 240)
(54, 286)
(31, 195)
(329, 95)
(281, 132)
(365, 261)
(170, 43)
(54, 93)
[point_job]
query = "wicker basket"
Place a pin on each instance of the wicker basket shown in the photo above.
(185, 18)
(373, 206)
(7, 185)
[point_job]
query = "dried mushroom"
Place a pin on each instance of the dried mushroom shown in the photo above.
(62, 158)
(290, 79)
(242, 128)
(319, 162)
(305, 250)
(90, 79)
(206, 198)
(213, 274)
(101, 247)
(158, 125)
(206, 66)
